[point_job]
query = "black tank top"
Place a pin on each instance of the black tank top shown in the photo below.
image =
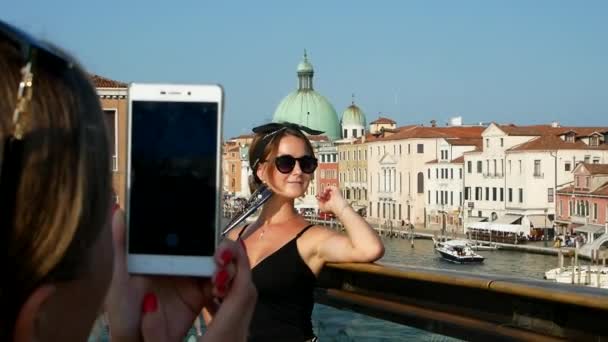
(285, 287)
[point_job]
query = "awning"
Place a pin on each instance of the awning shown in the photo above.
(472, 219)
(507, 219)
(540, 221)
(590, 228)
(500, 227)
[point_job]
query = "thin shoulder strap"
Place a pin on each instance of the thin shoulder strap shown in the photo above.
(242, 230)
(304, 230)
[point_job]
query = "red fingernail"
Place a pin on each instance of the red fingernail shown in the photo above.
(150, 303)
(226, 256)
(221, 277)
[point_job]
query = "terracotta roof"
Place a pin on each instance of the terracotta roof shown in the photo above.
(459, 160)
(602, 190)
(434, 161)
(465, 141)
(553, 142)
(437, 132)
(383, 120)
(597, 169)
(243, 136)
(102, 82)
(585, 131)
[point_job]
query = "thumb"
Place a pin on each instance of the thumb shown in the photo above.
(153, 324)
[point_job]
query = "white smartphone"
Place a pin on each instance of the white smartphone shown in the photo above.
(173, 178)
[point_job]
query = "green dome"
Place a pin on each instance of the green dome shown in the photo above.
(353, 115)
(311, 109)
(307, 107)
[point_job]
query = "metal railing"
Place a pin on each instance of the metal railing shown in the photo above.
(468, 306)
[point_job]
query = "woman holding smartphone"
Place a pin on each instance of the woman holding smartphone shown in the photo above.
(63, 250)
(287, 253)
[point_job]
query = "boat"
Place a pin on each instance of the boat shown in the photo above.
(563, 272)
(483, 247)
(457, 251)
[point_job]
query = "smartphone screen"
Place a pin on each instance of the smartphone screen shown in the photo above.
(172, 208)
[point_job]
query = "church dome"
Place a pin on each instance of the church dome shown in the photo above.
(353, 116)
(307, 107)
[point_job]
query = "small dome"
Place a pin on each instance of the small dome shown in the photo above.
(305, 66)
(354, 116)
(311, 109)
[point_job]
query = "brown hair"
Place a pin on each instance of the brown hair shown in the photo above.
(265, 146)
(63, 195)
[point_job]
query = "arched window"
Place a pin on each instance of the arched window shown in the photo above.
(420, 183)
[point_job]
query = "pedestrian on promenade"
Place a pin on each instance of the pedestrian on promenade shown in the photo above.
(61, 247)
(285, 251)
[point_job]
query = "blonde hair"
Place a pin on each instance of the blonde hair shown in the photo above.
(62, 199)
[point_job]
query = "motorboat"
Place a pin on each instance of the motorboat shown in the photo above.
(457, 251)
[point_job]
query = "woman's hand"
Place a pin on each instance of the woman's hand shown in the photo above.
(164, 308)
(331, 200)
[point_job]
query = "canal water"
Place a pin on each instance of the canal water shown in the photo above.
(336, 325)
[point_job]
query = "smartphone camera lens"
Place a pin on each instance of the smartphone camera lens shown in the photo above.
(189, 93)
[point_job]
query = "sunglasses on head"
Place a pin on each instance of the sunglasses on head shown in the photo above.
(286, 163)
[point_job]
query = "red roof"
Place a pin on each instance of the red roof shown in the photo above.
(383, 120)
(553, 142)
(437, 132)
(597, 169)
(602, 190)
(102, 82)
(459, 160)
(465, 141)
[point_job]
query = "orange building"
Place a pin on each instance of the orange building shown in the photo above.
(114, 101)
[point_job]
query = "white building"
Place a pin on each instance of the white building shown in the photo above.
(396, 170)
(444, 199)
(513, 178)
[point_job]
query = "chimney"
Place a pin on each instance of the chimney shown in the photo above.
(433, 123)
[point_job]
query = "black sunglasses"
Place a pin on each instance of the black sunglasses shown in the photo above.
(286, 163)
(31, 50)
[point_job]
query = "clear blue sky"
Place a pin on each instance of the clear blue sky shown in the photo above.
(507, 61)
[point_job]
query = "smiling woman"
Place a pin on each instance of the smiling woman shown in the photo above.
(281, 241)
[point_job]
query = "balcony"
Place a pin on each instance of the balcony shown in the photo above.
(493, 175)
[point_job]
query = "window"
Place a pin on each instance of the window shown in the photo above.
(594, 141)
(479, 166)
(429, 173)
(451, 173)
(487, 142)
(567, 166)
(345, 133)
(409, 149)
(451, 198)
(429, 192)
(521, 195)
(519, 166)
(502, 194)
(111, 119)
(570, 137)
(509, 167)
(488, 166)
(502, 142)
(399, 204)
(550, 195)
(437, 173)
(478, 193)
(495, 170)
(595, 211)
(420, 148)
(460, 173)
(487, 193)
(232, 168)
(596, 160)
(469, 167)
(467, 191)
(420, 183)
(232, 182)
(354, 133)
(437, 197)
(587, 159)
(510, 195)
(494, 194)
(537, 168)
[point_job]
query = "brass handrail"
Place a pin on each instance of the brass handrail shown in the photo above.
(465, 305)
